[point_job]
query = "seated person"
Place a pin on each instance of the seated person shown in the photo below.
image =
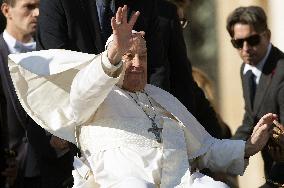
(130, 133)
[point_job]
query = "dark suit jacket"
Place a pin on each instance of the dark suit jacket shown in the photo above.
(16, 120)
(269, 97)
(74, 25)
(3, 135)
(25, 136)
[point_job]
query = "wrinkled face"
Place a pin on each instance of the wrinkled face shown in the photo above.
(252, 45)
(22, 17)
(135, 78)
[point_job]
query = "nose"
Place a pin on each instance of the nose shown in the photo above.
(246, 46)
(136, 61)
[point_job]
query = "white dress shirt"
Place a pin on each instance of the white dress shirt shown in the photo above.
(257, 70)
(15, 46)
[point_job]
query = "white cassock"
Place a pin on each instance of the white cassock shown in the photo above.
(113, 127)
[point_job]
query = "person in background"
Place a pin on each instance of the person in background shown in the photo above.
(17, 36)
(262, 75)
(35, 150)
(8, 165)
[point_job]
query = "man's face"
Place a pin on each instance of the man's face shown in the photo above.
(254, 45)
(22, 17)
(135, 60)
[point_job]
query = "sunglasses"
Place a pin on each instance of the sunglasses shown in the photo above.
(252, 40)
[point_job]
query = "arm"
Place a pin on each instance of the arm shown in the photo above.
(228, 155)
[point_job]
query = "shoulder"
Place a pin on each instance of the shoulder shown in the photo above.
(279, 57)
(57, 5)
(162, 95)
(3, 48)
(279, 69)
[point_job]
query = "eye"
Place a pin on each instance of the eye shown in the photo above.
(143, 56)
(128, 57)
(31, 6)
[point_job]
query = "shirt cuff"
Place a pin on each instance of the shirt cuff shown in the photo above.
(107, 65)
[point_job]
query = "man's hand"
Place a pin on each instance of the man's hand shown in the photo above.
(58, 143)
(260, 135)
(122, 34)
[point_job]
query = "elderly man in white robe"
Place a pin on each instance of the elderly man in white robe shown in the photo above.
(130, 134)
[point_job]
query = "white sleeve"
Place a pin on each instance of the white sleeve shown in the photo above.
(224, 156)
(90, 87)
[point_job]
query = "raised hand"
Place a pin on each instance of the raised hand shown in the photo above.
(122, 31)
(260, 135)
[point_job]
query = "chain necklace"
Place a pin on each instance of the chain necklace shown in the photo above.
(154, 129)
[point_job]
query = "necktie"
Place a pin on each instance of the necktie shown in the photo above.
(107, 14)
(252, 85)
(23, 48)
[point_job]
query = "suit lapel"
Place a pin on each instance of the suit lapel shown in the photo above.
(8, 84)
(265, 79)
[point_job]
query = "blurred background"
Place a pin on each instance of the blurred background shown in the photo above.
(209, 49)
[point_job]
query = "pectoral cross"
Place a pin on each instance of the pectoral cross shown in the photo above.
(156, 131)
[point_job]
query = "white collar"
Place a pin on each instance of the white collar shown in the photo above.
(12, 43)
(257, 70)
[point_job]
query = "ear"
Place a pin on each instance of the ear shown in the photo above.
(268, 34)
(5, 10)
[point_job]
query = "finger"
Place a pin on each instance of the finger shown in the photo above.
(113, 23)
(260, 128)
(124, 14)
(118, 15)
(276, 138)
(142, 33)
(278, 125)
(133, 19)
(266, 119)
(277, 130)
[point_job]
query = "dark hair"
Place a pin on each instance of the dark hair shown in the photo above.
(10, 2)
(251, 15)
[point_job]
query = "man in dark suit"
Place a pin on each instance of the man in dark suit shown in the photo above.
(75, 25)
(34, 149)
(14, 117)
(262, 74)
